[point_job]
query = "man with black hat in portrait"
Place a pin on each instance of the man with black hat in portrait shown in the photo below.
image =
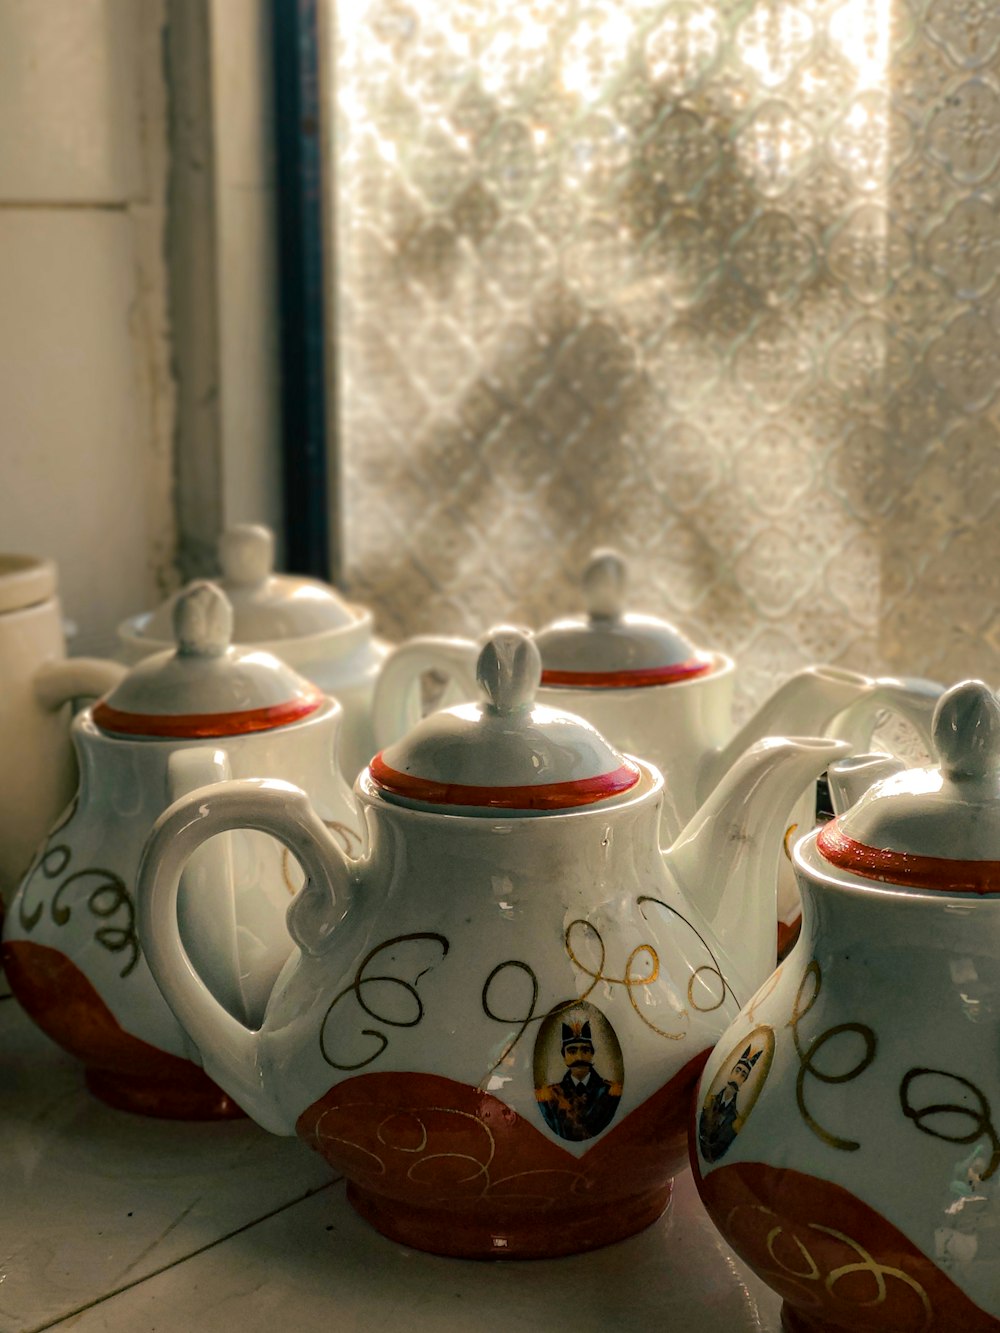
(582, 1103)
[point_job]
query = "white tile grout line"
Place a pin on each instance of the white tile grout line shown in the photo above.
(128, 1286)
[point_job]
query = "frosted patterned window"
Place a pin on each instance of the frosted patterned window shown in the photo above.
(714, 282)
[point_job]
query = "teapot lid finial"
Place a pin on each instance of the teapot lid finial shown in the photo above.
(203, 621)
(605, 576)
(246, 554)
(509, 669)
(967, 732)
(932, 828)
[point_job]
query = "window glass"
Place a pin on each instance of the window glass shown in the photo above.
(709, 281)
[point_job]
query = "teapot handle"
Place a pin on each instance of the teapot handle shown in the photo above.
(228, 1048)
(396, 704)
(206, 902)
(56, 683)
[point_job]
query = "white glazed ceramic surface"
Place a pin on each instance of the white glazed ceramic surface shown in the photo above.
(303, 622)
(37, 768)
(847, 1121)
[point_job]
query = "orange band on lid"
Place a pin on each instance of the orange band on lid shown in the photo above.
(629, 680)
(940, 873)
(542, 796)
(202, 726)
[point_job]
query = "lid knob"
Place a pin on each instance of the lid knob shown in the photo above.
(203, 621)
(246, 554)
(604, 577)
(509, 669)
(967, 731)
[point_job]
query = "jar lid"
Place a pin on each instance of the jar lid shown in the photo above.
(508, 752)
(611, 648)
(938, 827)
(25, 580)
(267, 607)
(205, 687)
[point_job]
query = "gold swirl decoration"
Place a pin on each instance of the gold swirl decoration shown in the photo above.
(980, 1116)
(438, 1175)
(808, 993)
(106, 898)
(363, 982)
(630, 978)
(811, 1272)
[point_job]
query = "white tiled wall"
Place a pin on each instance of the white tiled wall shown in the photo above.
(85, 387)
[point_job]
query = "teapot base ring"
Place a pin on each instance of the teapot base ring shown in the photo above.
(193, 1098)
(456, 1234)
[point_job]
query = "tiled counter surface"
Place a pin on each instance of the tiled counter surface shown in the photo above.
(111, 1222)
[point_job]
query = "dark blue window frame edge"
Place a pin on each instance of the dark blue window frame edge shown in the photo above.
(312, 529)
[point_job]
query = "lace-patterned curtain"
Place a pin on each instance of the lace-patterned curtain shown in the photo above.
(712, 282)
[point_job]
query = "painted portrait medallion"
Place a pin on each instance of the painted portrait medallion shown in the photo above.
(578, 1071)
(733, 1092)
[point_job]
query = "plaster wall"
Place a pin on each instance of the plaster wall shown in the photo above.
(86, 395)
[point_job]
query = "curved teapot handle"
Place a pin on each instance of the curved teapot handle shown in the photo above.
(396, 704)
(56, 683)
(228, 1048)
(206, 903)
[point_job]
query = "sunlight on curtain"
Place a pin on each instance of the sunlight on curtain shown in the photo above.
(712, 282)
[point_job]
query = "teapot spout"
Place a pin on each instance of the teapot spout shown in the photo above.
(726, 858)
(805, 705)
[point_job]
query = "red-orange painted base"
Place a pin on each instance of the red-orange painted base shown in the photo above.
(441, 1166)
(121, 1070)
(839, 1265)
(547, 1236)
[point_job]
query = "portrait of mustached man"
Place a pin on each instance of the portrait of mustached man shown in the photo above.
(583, 1102)
(720, 1118)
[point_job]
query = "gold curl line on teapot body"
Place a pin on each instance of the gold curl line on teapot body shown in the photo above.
(106, 898)
(866, 1263)
(629, 980)
(806, 1056)
(983, 1126)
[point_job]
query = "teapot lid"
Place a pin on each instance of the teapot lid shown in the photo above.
(938, 827)
(611, 648)
(205, 687)
(267, 607)
(507, 752)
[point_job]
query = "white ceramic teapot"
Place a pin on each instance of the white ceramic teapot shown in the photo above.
(645, 686)
(37, 769)
(497, 1013)
(303, 621)
(199, 713)
(847, 1136)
